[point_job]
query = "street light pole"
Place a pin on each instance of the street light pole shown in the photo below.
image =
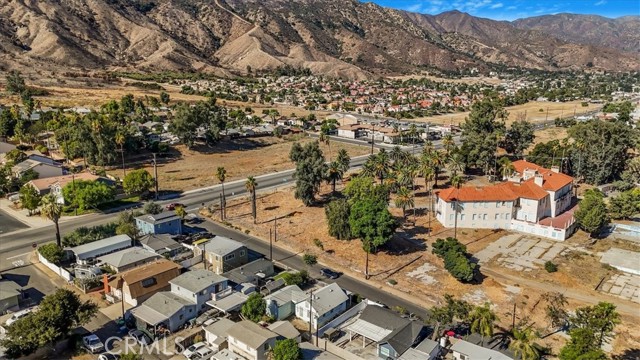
(373, 130)
(155, 173)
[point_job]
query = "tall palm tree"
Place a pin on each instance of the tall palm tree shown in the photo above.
(52, 210)
(506, 167)
(344, 160)
(221, 174)
(523, 345)
(324, 138)
(456, 182)
(120, 140)
(482, 320)
(404, 199)
(448, 143)
(380, 164)
(437, 161)
(251, 185)
(334, 173)
(456, 162)
(397, 155)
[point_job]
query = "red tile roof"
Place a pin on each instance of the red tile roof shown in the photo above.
(552, 180)
(562, 221)
(507, 191)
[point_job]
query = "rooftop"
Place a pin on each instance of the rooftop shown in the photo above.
(328, 298)
(291, 293)
(99, 244)
(220, 327)
(284, 329)
(245, 273)
(159, 307)
(158, 218)
(29, 164)
(197, 280)
(476, 352)
(552, 181)
(250, 333)
(46, 183)
(158, 242)
(127, 257)
(148, 270)
(221, 245)
(9, 289)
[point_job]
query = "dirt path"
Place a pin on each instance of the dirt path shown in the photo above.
(233, 14)
(593, 297)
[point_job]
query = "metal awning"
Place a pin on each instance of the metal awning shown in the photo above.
(368, 330)
(231, 302)
(148, 315)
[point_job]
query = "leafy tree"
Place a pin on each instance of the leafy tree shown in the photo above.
(164, 97)
(181, 212)
(556, 308)
(481, 132)
(453, 309)
(16, 156)
(138, 181)
(371, 221)
(338, 212)
(52, 211)
(15, 83)
(127, 103)
(251, 184)
(57, 315)
(523, 344)
(87, 194)
(482, 320)
(592, 215)
(29, 197)
(601, 319)
(287, 349)
(294, 278)
(550, 267)
(404, 199)
(52, 252)
(631, 174)
(255, 307)
(378, 165)
(519, 137)
(359, 187)
(310, 170)
(549, 153)
(28, 176)
(310, 259)
(83, 235)
(456, 259)
(152, 208)
(581, 346)
(127, 225)
(625, 205)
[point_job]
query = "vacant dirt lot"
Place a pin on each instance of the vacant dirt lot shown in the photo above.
(530, 111)
(191, 169)
(548, 134)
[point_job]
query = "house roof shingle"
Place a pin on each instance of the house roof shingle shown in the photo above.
(328, 298)
(250, 333)
(128, 256)
(552, 181)
(158, 218)
(197, 280)
(221, 245)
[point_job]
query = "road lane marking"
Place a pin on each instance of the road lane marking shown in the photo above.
(19, 255)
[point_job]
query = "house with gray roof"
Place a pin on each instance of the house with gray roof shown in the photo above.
(198, 286)
(223, 254)
(255, 272)
(426, 350)
(282, 303)
(160, 244)
(6, 147)
(10, 294)
(465, 350)
(44, 170)
(164, 310)
(251, 340)
(216, 334)
(285, 330)
(127, 259)
(323, 305)
(92, 250)
(166, 222)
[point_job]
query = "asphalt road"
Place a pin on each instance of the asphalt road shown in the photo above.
(9, 224)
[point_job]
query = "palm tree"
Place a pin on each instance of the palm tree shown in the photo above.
(456, 181)
(344, 160)
(52, 210)
(324, 138)
(221, 174)
(523, 345)
(437, 161)
(448, 143)
(506, 167)
(120, 139)
(404, 198)
(251, 185)
(381, 164)
(482, 320)
(397, 155)
(334, 173)
(456, 163)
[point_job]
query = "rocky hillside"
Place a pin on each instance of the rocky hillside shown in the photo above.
(344, 38)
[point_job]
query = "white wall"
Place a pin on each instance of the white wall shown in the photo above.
(483, 215)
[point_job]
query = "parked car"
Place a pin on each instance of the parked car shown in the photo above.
(109, 356)
(92, 343)
(203, 353)
(191, 350)
(140, 337)
(173, 206)
(328, 273)
(19, 315)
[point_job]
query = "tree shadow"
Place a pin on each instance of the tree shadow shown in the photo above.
(231, 145)
(628, 354)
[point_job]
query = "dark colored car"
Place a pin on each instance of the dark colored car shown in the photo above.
(328, 273)
(140, 337)
(173, 206)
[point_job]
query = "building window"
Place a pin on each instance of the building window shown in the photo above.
(242, 252)
(450, 216)
(266, 346)
(229, 257)
(496, 217)
(475, 205)
(461, 216)
(384, 351)
(484, 217)
(473, 217)
(486, 205)
(497, 204)
(181, 317)
(148, 282)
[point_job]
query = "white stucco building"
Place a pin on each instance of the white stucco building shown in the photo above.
(533, 200)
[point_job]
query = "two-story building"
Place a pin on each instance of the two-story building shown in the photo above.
(223, 254)
(534, 200)
(137, 285)
(197, 286)
(44, 170)
(250, 340)
(323, 305)
(166, 222)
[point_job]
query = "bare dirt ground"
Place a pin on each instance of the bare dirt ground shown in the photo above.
(408, 262)
(465, 80)
(548, 134)
(530, 111)
(191, 169)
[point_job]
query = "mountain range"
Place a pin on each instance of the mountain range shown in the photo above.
(345, 38)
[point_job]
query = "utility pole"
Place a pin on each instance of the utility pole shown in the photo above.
(155, 173)
(221, 207)
(270, 246)
(546, 118)
(75, 195)
(310, 315)
(275, 228)
(373, 130)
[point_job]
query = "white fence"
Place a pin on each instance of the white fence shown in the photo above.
(55, 268)
(191, 261)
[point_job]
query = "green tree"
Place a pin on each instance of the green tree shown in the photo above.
(625, 205)
(29, 197)
(601, 318)
(581, 346)
(555, 309)
(287, 349)
(404, 198)
(185, 124)
(337, 213)
(453, 309)
(127, 103)
(164, 97)
(523, 344)
(378, 165)
(359, 187)
(57, 315)
(138, 181)
(255, 307)
(310, 170)
(482, 320)
(52, 211)
(52, 252)
(87, 194)
(310, 259)
(344, 160)
(519, 137)
(334, 173)
(15, 82)
(127, 225)
(180, 212)
(456, 259)
(152, 208)
(481, 132)
(592, 215)
(251, 185)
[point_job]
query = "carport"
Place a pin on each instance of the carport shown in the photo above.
(367, 331)
(149, 319)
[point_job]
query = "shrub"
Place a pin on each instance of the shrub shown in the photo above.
(550, 267)
(456, 259)
(52, 252)
(254, 308)
(294, 278)
(152, 207)
(318, 243)
(310, 259)
(392, 282)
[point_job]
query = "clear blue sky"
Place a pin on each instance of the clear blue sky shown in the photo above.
(514, 9)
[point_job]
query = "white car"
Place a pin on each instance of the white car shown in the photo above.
(19, 315)
(191, 350)
(204, 353)
(93, 343)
